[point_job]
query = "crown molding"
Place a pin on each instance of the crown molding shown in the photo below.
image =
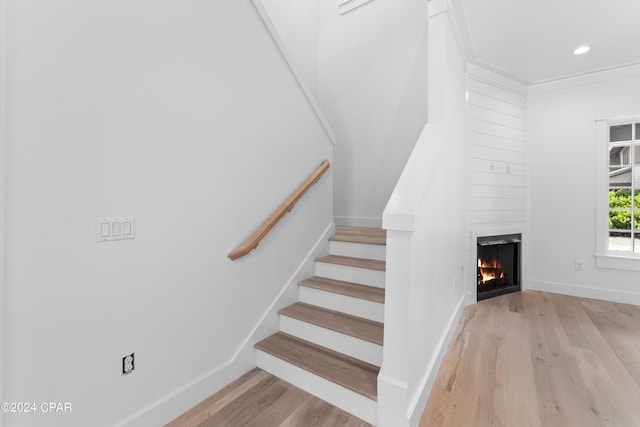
(457, 17)
(586, 78)
(486, 74)
(454, 10)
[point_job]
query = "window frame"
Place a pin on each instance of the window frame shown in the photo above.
(606, 258)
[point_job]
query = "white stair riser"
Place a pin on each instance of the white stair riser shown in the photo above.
(358, 250)
(363, 276)
(343, 303)
(342, 343)
(328, 391)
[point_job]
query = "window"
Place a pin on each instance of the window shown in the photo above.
(624, 187)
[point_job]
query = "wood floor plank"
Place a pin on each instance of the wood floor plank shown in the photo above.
(340, 418)
(370, 264)
(351, 373)
(369, 293)
(258, 399)
(248, 406)
(364, 329)
(540, 360)
(312, 413)
(215, 403)
(626, 345)
(280, 410)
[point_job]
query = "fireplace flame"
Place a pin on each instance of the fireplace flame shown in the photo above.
(488, 270)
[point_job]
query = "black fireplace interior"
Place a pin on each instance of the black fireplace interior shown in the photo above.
(498, 265)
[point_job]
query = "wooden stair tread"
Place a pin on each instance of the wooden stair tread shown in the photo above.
(372, 236)
(351, 373)
(370, 264)
(358, 327)
(369, 293)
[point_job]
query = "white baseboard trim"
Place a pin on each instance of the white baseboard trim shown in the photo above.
(244, 359)
(355, 221)
(613, 295)
(181, 400)
(419, 401)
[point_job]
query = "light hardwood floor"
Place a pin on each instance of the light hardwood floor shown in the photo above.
(258, 399)
(527, 359)
(534, 359)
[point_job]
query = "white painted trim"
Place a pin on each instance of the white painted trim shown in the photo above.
(347, 6)
(184, 398)
(358, 250)
(326, 390)
(618, 262)
(244, 359)
(613, 295)
(592, 77)
(348, 273)
(485, 73)
(605, 258)
(264, 15)
(343, 303)
(288, 295)
(358, 221)
(419, 400)
(457, 17)
(336, 341)
(3, 207)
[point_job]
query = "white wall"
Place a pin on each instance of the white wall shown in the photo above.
(372, 87)
(425, 242)
(562, 155)
(186, 116)
(297, 24)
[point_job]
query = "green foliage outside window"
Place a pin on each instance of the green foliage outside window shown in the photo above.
(621, 220)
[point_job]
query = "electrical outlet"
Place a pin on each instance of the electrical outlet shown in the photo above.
(579, 265)
(128, 364)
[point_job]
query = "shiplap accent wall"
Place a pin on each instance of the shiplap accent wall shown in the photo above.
(496, 153)
(496, 162)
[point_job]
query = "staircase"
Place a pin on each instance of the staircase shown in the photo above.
(330, 342)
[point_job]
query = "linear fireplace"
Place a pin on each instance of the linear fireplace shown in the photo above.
(498, 265)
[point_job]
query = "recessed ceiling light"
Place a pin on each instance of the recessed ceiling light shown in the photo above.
(582, 50)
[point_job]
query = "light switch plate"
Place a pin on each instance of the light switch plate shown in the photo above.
(115, 228)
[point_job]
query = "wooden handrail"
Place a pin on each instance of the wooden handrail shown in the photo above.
(264, 229)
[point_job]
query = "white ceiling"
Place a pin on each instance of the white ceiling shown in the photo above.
(533, 41)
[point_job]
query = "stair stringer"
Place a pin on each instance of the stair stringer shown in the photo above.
(269, 323)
